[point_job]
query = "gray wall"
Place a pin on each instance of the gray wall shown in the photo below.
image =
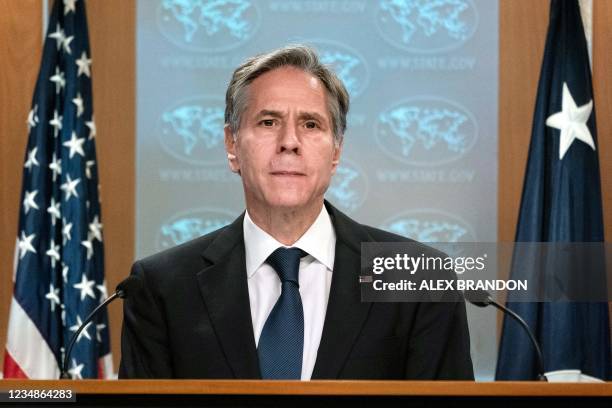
(420, 154)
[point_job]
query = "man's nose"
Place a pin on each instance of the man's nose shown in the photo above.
(289, 140)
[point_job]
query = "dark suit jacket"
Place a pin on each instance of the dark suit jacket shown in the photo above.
(192, 318)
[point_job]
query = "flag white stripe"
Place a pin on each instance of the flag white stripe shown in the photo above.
(106, 362)
(15, 259)
(27, 346)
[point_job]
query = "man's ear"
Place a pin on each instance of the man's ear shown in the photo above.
(230, 148)
(336, 155)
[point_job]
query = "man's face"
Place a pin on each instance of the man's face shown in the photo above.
(284, 149)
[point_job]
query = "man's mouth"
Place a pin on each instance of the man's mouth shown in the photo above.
(287, 173)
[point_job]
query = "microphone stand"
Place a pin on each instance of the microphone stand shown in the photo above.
(64, 372)
(519, 319)
(482, 298)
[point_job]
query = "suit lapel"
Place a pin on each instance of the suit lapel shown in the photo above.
(345, 313)
(225, 291)
(224, 287)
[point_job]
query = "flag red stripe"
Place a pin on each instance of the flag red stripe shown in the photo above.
(11, 368)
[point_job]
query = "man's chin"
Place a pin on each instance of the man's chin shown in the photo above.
(288, 205)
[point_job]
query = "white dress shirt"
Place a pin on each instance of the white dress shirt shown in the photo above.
(319, 241)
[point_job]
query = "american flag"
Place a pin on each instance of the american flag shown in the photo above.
(59, 258)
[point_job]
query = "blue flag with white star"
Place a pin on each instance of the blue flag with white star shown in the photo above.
(561, 202)
(59, 269)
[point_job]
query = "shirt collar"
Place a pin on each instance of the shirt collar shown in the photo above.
(319, 241)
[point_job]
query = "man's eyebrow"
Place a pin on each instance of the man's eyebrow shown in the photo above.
(268, 112)
(312, 115)
(306, 115)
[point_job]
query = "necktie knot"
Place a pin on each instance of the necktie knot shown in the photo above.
(286, 263)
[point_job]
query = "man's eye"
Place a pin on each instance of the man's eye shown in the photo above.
(311, 125)
(267, 122)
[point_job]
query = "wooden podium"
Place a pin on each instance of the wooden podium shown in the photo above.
(249, 393)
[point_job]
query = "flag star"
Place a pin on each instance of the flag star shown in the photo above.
(88, 243)
(103, 291)
(69, 187)
(53, 297)
(53, 253)
(58, 36)
(28, 201)
(66, 231)
(63, 315)
(66, 44)
(75, 145)
(78, 101)
(86, 287)
(56, 122)
(92, 128)
(84, 65)
(33, 118)
(64, 273)
(59, 80)
(25, 244)
(69, 5)
(32, 161)
(99, 328)
(571, 121)
(96, 228)
(88, 165)
(75, 371)
(54, 210)
(55, 166)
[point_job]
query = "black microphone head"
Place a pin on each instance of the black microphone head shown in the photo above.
(478, 297)
(129, 286)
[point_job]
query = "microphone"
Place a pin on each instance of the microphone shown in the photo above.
(127, 287)
(482, 298)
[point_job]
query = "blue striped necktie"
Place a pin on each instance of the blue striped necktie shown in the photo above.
(281, 343)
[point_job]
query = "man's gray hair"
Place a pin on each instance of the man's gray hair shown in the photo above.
(299, 56)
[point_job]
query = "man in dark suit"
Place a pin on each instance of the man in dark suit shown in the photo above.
(276, 294)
